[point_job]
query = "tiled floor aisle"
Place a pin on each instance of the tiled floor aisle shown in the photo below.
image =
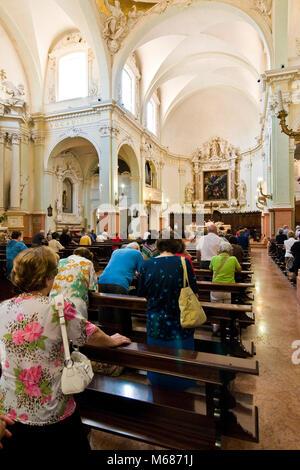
(277, 389)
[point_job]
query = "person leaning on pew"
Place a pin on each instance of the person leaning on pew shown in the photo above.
(32, 360)
(76, 276)
(224, 267)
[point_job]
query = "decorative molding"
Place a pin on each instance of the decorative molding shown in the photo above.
(70, 41)
(264, 7)
(73, 132)
(215, 150)
(108, 130)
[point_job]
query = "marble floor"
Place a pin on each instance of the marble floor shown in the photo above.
(277, 388)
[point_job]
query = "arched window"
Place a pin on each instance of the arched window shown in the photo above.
(72, 76)
(151, 117)
(67, 196)
(128, 87)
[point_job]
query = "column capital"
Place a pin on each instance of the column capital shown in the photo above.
(37, 138)
(15, 139)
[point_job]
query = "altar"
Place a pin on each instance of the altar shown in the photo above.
(217, 184)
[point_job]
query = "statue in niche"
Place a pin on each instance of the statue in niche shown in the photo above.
(242, 192)
(64, 199)
(189, 194)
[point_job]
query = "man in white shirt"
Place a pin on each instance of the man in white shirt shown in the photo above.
(105, 235)
(54, 243)
(208, 246)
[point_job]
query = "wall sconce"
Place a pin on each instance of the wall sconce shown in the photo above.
(164, 209)
(49, 211)
(282, 115)
(261, 198)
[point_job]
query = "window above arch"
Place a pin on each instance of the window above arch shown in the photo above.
(128, 89)
(71, 71)
(129, 86)
(72, 76)
(151, 117)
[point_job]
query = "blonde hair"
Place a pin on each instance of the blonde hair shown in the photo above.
(32, 267)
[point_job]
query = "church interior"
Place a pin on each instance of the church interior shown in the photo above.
(133, 116)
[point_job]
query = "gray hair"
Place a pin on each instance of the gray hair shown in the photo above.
(225, 247)
(133, 245)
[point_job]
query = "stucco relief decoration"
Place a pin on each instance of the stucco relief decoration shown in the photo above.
(149, 151)
(118, 22)
(264, 7)
(12, 98)
(217, 157)
(72, 133)
(108, 130)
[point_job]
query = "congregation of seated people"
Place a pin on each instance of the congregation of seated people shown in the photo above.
(154, 270)
(285, 250)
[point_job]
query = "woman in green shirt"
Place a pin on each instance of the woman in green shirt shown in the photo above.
(224, 267)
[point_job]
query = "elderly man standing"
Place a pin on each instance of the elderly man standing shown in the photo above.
(116, 279)
(208, 246)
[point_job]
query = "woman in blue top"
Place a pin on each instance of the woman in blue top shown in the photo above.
(13, 248)
(160, 281)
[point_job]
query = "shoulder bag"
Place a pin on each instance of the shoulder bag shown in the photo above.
(220, 267)
(191, 312)
(77, 372)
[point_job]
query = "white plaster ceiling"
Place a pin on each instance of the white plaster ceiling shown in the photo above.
(201, 60)
(34, 26)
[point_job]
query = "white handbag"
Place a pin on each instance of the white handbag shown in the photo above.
(78, 372)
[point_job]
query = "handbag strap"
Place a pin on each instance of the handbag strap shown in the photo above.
(220, 267)
(59, 305)
(185, 276)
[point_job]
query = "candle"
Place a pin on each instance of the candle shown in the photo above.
(280, 103)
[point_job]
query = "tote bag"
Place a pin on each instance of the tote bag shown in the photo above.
(191, 312)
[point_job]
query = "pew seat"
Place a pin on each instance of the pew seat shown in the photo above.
(193, 419)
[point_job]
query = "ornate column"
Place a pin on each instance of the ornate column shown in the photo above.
(181, 172)
(15, 174)
(282, 169)
(2, 171)
(38, 217)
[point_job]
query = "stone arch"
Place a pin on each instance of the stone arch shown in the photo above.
(135, 39)
(60, 141)
(127, 153)
(72, 158)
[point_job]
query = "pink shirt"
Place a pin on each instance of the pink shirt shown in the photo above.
(32, 359)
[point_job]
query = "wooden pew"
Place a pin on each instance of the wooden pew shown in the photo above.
(239, 289)
(201, 273)
(194, 419)
(230, 317)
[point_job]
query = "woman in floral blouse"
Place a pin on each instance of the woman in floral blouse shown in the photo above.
(76, 276)
(32, 360)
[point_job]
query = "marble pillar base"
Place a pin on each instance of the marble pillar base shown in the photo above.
(282, 216)
(15, 220)
(266, 228)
